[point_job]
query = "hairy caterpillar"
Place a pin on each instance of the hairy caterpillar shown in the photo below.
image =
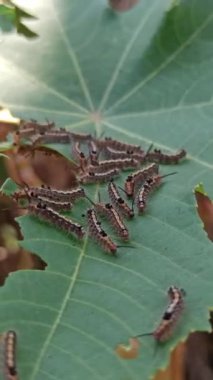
(149, 185)
(107, 210)
(92, 177)
(47, 214)
(136, 178)
(170, 317)
(10, 340)
(118, 201)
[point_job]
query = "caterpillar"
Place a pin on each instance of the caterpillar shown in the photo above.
(111, 153)
(125, 163)
(92, 177)
(82, 159)
(60, 136)
(118, 145)
(55, 205)
(107, 210)
(170, 317)
(166, 159)
(149, 185)
(37, 127)
(53, 217)
(93, 153)
(25, 132)
(136, 178)
(98, 234)
(118, 201)
(80, 137)
(10, 340)
(52, 194)
(140, 156)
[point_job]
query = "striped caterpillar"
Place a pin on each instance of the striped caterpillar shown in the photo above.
(92, 177)
(37, 127)
(111, 153)
(80, 137)
(124, 163)
(107, 210)
(51, 194)
(149, 185)
(93, 153)
(166, 159)
(10, 340)
(55, 205)
(98, 234)
(136, 178)
(118, 201)
(25, 132)
(118, 145)
(60, 136)
(171, 316)
(80, 156)
(47, 214)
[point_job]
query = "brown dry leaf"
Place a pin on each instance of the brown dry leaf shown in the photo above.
(12, 256)
(28, 260)
(36, 165)
(198, 360)
(174, 371)
(53, 168)
(20, 260)
(204, 209)
(19, 167)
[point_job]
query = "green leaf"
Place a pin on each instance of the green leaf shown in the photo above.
(11, 16)
(23, 14)
(7, 18)
(23, 29)
(4, 146)
(143, 76)
(8, 187)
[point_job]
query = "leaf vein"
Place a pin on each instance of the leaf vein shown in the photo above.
(76, 65)
(22, 73)
(123, 58)
(79, 360)
(60, 313)
(169, 60)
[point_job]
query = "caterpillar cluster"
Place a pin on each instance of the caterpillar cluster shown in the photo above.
(101, 161)
(45, 202)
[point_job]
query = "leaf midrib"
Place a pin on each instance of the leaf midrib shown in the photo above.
(61, 311)
(166, 63)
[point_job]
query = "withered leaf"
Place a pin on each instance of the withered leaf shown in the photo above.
(204, 209)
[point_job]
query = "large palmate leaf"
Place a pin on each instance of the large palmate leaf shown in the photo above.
(143, 76)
